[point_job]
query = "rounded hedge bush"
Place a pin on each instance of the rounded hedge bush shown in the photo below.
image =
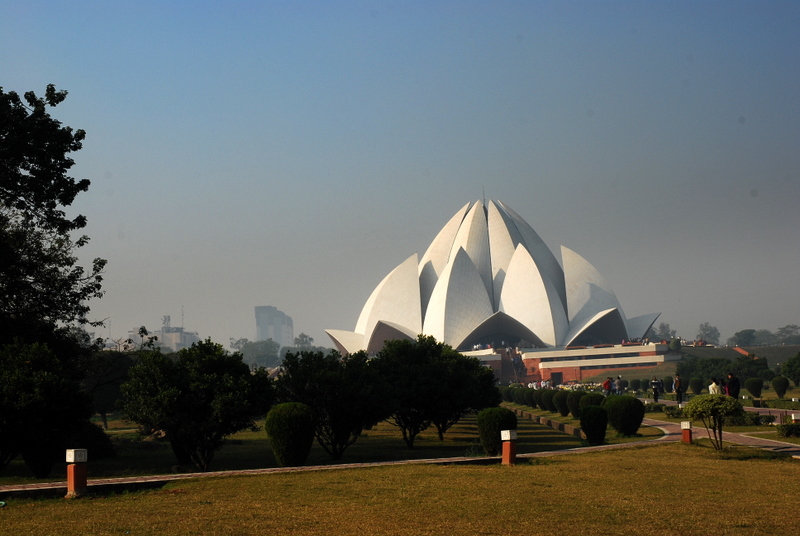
(591, 399)
(537, 397)
(573, 401)
(636, 384)
(594, 421)
(290, 428)
(781, 385)
(696, 385)
(667, 384)
(560, 401)
(519, 395)
(625, 413)
(491, 422)
(530, 401)
(505, 393)
(754, 386)
(547, 401)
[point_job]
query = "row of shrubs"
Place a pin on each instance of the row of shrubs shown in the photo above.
(596, 412)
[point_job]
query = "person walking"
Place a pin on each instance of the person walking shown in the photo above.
(677, 388)
(655, 385)
(733, 386)
(714, 388)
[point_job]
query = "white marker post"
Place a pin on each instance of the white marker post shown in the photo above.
(509, 438)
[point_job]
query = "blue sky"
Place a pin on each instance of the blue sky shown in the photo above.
(293, 153)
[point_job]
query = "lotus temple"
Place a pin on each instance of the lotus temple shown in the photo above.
(490, 287)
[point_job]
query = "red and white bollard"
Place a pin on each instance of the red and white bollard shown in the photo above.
(76, 473)
(686, 431)
(509, 438)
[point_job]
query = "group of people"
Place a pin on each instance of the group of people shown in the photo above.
(730, 388)
(544, 384)
(613, 387)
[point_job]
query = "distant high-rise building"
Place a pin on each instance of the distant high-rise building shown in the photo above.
(274, 324)
(170, 337)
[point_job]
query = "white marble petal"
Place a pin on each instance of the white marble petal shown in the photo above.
(459, 302)
(436, 256)
(395, 300)
(532, 300)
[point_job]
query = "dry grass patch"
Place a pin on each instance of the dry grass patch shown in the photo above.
(681, 489)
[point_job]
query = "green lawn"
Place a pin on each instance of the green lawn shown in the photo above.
(669, 488)
(250, 450)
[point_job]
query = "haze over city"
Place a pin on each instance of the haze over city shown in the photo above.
(286, 154)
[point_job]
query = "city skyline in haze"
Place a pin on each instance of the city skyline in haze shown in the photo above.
(291, 154)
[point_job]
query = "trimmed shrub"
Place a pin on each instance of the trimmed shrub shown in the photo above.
(94, 439)
(673, 412)
(560, 401)
(667, 384)
(290, 428)
(547, 400)
(505, 393)
(754, 386)
(788, 430)
(591, 399)
(781, 385)
(519, 395)
(491, 422)
(696, 385)
(537, 397)
(573, 402)
(529, 399)
(748, 418)
(636, 384)
(625, 413)
(656, 407)
(594, 421)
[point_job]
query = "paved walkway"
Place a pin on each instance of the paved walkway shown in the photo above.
(672, 432)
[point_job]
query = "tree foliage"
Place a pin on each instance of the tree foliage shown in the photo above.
(40, 406)
(712, 410)
(708, 333)
(41, 287)
(746, 337)
(258, 353)
(791, 369)
(198, 399)
(430, 382)
(346, 394)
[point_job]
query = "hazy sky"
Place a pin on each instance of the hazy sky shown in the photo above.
(293, 153)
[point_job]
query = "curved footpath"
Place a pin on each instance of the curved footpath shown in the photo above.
(672, 432)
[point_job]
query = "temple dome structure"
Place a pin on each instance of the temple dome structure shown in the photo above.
(488, 279)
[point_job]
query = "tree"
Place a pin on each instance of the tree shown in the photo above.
(303, 341)
(788, 334)
(708, 333)
(198, 399)
(346, 394)
(746, 337)
(664, 332)
(791, 369)
(40, 406)
(258, 353)
(41, 289)
(465, 386)
(416, 374)
(712, 410)
(764, 337)
(44, 294)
